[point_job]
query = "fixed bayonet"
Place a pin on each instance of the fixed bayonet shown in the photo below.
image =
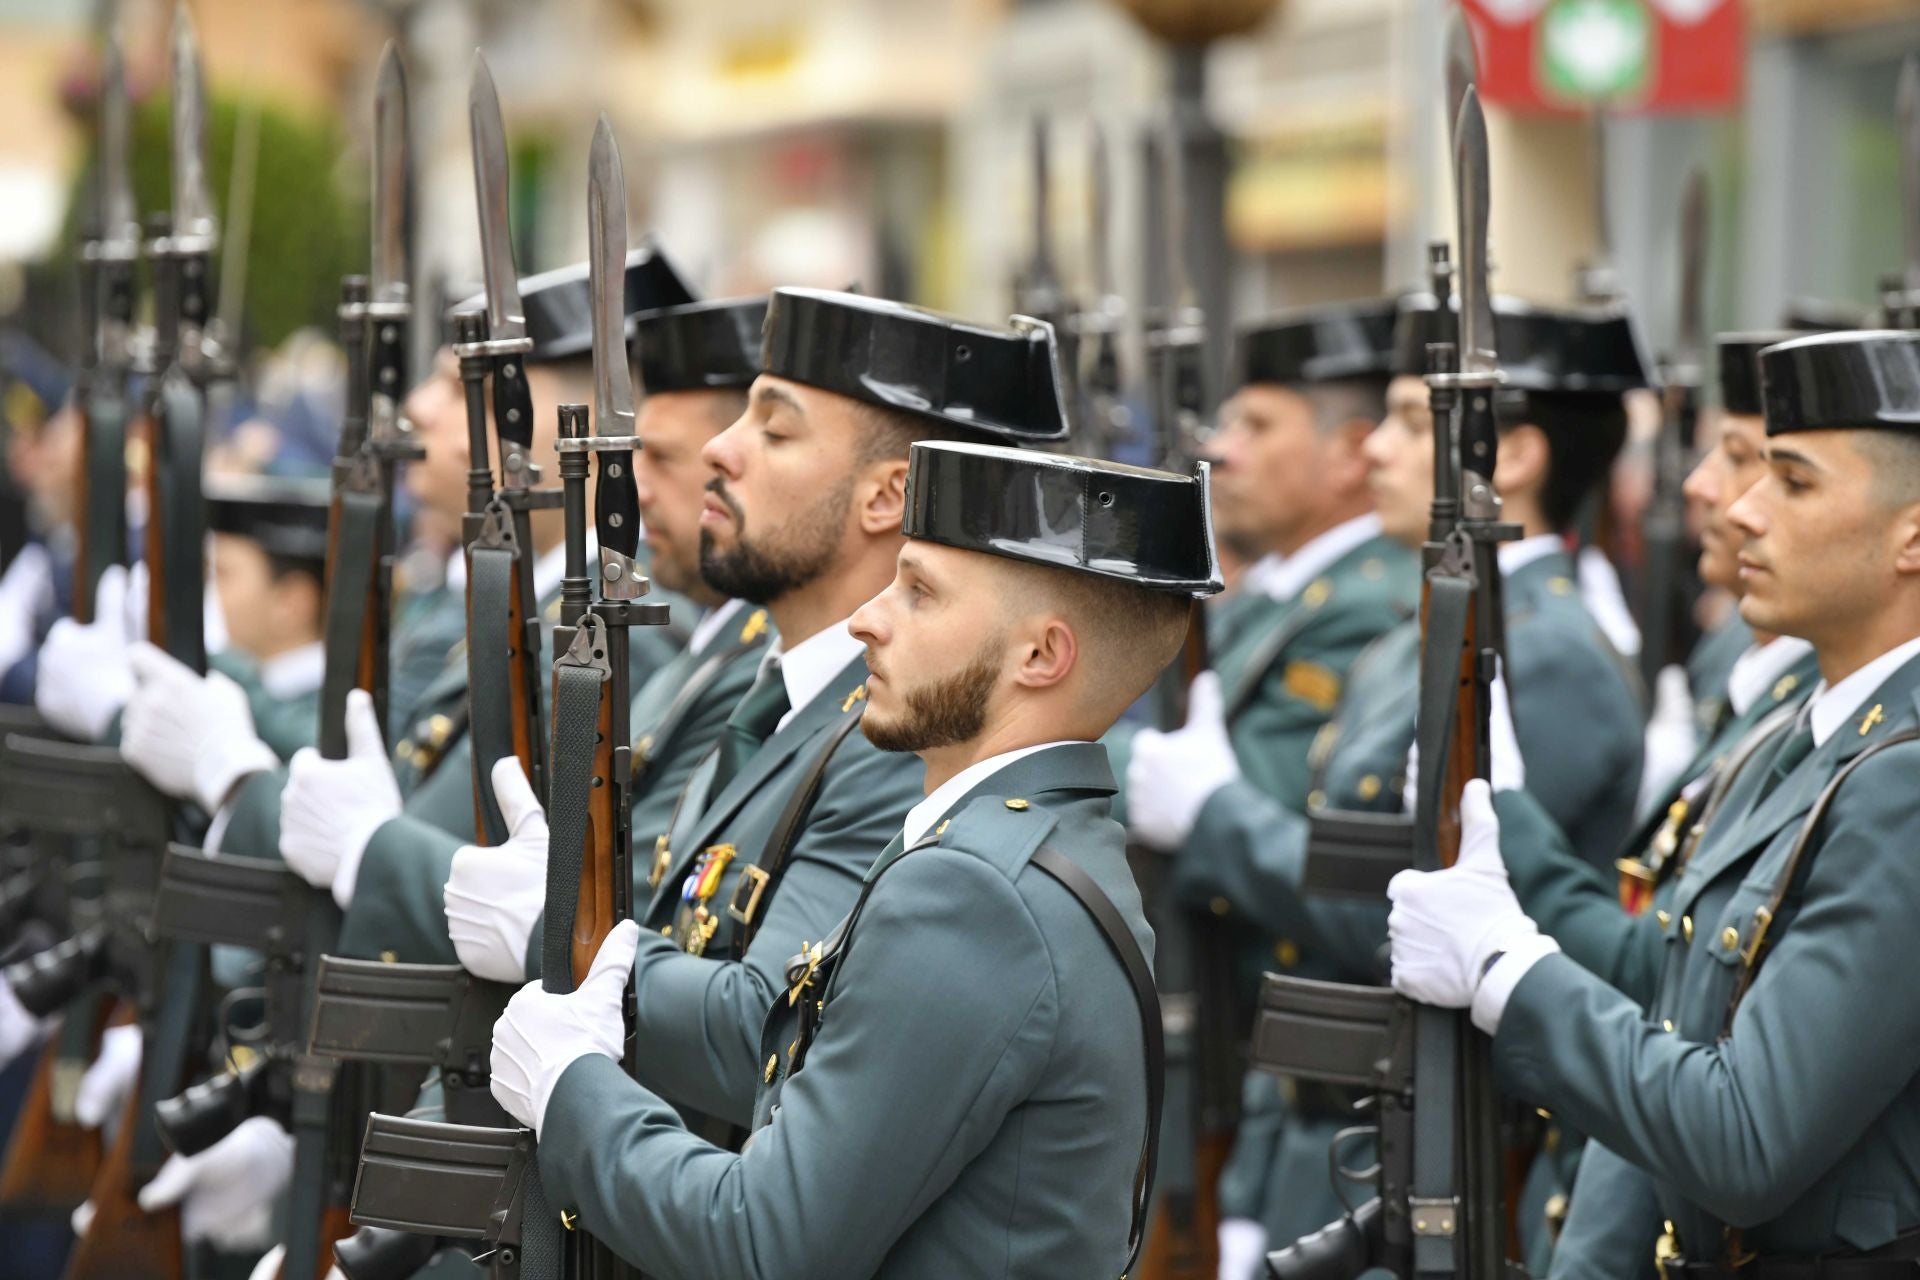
(1479, 364)
(616, 504)
(389, 298)
(507, 341)
(1176, 343)
(1462, 66)
(1097, 328)
(195, 229)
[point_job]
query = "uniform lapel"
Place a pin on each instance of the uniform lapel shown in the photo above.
(814, 719)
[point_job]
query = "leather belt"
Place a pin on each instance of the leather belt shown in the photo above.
(1898, 1260)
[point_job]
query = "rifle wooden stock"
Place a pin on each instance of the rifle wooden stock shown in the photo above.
(1190, 1250)
(154, 548)
(50, 1164)
(598, 911)
(124, 1241)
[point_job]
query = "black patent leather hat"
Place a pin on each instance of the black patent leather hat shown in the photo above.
(558, 304)
(1001, 383)
(287, 516)
(1842, 381)
(701, 346)
(1319, 344)
(1740, 368)
(1544, 349)
(1151, 528)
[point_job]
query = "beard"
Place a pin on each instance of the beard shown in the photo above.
(940, 713)
(761, 574)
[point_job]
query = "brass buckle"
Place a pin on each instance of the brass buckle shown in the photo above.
(662, 859)
(1666, 1252)
(756, 879)
(1762, 920)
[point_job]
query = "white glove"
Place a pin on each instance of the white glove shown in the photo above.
(495, 894)
(86, 674)
(1243, 1247)
(189, 735)
(20, 1031)
(1446, 926)
(109, 1078)
(81, 1218)
(26, 593)
(226, 1193)
(1671, 736)
(1172, 774)
(268, 1268)
(1505, 763)
(540, 1034)
(331, 808)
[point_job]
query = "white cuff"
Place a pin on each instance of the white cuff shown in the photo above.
(1496, 988)
(221, 769)
(1243, 1247)
(348, 871)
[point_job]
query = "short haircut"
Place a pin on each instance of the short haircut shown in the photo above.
(1895, 456)
(1337, 403)
(283, 566)
(887, 433)
(1584, 432)
(1126, 631)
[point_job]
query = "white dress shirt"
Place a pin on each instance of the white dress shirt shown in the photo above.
(810, 666)
(1760, 668)
(922, 816)
(1288, 576)
(1832, 707)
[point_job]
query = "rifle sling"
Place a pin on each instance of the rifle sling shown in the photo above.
(106, 514)
(183, 518)
(1140, 977)
(489, 683)
(576, 724)
(348, 594)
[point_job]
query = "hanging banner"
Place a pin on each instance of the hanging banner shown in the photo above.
(1624, 55)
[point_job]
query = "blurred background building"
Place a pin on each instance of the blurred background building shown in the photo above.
(887, 142)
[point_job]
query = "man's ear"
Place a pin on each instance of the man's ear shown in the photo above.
(882, 497)
(1049, 652)
(1522, 464)
(1906, 533)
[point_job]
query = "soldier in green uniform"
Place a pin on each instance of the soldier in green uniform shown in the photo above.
(428, 773)
(775, 830)
(1291, 480)
(696, 361)
(952, 1080)
(1761, 1103)
(1564, 417)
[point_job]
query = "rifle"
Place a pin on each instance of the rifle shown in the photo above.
(1105, 418)
(51, 1160)
(1192, 960)
(1901, 293)
(1671, 583)
(458, 1182)
(1440, 1208)
(497, 528)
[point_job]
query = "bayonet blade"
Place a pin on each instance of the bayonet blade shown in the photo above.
(1101, 181)
(194, 225)
(389, 280)
(607, 270)
(1463, 66)
(119, 221)
(1471, 199)
(1909, 111)
(505, 319)
(1693, 272)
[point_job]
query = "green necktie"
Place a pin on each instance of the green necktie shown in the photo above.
(751, 723)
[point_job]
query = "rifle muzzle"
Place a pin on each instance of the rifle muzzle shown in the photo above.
(210, 1110)
(1340, 1250)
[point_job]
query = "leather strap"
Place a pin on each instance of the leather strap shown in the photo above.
(105, 519)
(183, 518)
(490, 571)
(349, 592)
(1140, 977)
(677, 711)
(576, 723)
(773, 855)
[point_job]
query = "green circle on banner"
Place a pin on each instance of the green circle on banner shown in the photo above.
(1592, 50)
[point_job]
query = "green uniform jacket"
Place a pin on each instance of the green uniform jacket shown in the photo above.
(427, 629)
(1576, 709)
(703, 1013)
(1710, 665)
(284, 724)
(399, 904)
(1578, 902)
(972, 1106)
(1799, 1125)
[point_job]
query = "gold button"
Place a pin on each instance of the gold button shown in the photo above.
(438, 729)
(1667, 1023)
(389, 957)
(773, 1064)
(568, 1218)
(1664, 919)
(1287, 953)
(942, 828)
(1018, 806)
(1729, 937)
(1686, 928)
(1316, 799)
(1369, 787)
(1317, 592)
(1220, 907)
